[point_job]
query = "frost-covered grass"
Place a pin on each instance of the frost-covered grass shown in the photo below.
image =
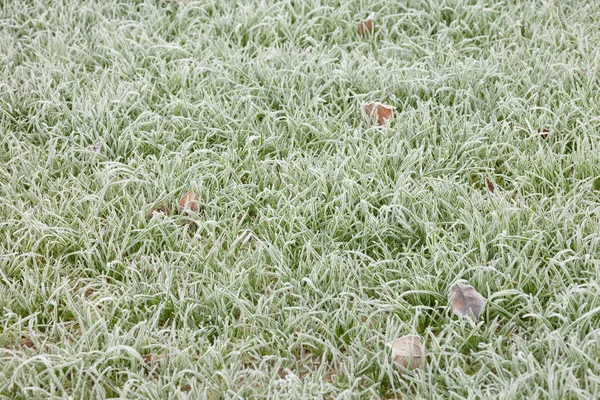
(320, 238)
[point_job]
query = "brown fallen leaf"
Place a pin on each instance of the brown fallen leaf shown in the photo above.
(544, 133)
(26, 342)
(88, 292)
(490, 185)
(465, 301)
(379, 113)
(185, 388)
(189, 201)
(154, 359)
(365, 26)
(408, 352)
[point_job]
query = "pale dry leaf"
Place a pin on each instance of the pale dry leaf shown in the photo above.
(189, 201)
(465, 301)
(379, 113)
(408, 352)
(96, 148)
(365, 26)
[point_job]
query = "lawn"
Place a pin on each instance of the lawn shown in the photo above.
(318, 237)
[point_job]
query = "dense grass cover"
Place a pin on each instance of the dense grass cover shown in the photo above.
(320, 239)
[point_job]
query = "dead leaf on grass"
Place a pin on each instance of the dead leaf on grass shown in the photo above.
(490, 185)
(185, 388)
(189, 202)
(465, 301)
(154, 359)
(27, 343)
(408, 352)
(378, 113)
(544, 133)
(365, 26)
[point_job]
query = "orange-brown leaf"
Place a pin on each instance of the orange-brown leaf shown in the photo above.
(379, 113)
(189, 201)
(365, 26)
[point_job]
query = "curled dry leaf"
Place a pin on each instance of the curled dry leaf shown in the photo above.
(189, 201)
(465, 301)
(490, 185)
(379, 113)
(26, 342)
(365, 26)
(408, 352)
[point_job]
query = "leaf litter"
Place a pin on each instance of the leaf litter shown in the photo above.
(378, 113)
(408, 352)
(465, 301)
(189, 202)
(365, 26)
